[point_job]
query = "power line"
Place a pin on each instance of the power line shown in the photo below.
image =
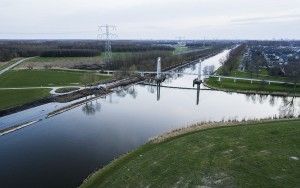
(106, 33)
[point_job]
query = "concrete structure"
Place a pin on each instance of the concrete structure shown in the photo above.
(198, 80)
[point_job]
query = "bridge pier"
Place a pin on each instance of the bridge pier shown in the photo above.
(198, 80)
(159, 77)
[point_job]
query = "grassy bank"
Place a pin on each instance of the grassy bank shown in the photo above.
(32, 78)
(13, 98)
(262, 75)
(257, 155)
(256, 87)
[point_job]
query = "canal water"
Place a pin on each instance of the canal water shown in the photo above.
(63, 150)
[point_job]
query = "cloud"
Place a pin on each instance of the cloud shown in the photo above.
(147, 18)
(259, 19)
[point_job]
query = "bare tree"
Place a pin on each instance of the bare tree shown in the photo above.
(29, 67)
(48, 66)
(292, 71)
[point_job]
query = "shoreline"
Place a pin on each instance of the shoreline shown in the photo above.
(67, 97)
(87, 92)
(278, 94)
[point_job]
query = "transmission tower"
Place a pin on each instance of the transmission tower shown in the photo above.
(107, 35)
(181, 41)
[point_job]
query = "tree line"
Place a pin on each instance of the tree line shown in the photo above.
(10, 49)
(70, 53)
(147, 60)
(232, 60)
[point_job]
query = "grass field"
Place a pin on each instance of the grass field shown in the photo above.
(180, 49)
(32, 78)
(13, 98)
(68, 62)
(242, 85)
(263, 75)
(62, 62)
(258, 155)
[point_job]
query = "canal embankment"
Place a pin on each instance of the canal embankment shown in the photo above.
(248, 87)
(224, 154)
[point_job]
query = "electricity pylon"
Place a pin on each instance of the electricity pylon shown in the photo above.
(107, 35)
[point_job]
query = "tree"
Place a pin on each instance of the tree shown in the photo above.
(29, 67)
(132, 70)
(48, 66)
(292, 71)
(232, 61)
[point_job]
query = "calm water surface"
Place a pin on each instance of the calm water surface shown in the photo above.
(63, 150)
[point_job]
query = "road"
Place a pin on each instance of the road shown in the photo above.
(15, 64)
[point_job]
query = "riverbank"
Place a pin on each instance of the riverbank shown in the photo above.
(69, 97)
(51, 80)
(218, 154)
(246, 87)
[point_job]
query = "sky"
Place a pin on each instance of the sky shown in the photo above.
(150, 19)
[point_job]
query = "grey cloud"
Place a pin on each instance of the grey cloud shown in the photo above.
(265, 19)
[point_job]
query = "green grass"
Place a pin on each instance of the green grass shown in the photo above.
(70, 59)
(242, 85)
(13, 98)
(61, 62)
(258, 155)
(180, 49)
(263, 75)
(32, 78)
(51, 59)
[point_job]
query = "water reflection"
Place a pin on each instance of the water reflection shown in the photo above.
(158, 91)
(198, 94)
(132, 92)
(272, 100)
(288, 107)
(90, 108)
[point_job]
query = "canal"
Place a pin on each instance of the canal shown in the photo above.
(63, 150)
